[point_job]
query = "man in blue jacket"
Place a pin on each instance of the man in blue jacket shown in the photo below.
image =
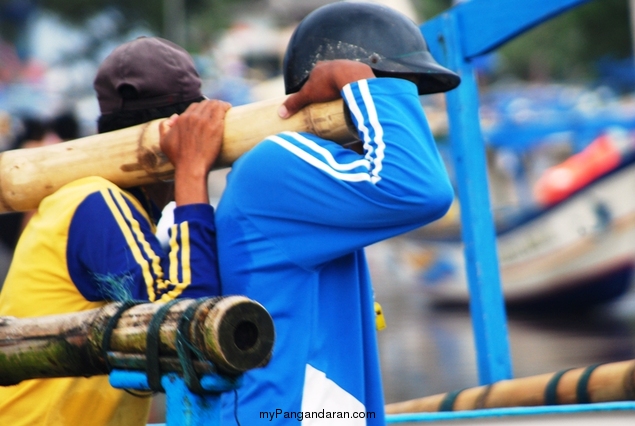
(298, 211)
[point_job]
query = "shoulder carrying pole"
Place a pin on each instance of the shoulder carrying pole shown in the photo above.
(132, 156)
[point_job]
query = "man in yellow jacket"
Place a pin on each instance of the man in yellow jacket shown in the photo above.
(92, 242)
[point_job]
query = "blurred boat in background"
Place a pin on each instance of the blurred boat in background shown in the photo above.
(568, 244)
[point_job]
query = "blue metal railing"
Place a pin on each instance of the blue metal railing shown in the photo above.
(492, 413)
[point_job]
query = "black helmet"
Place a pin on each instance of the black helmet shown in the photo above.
(376, 35)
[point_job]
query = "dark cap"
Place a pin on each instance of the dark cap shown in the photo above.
(157, 72)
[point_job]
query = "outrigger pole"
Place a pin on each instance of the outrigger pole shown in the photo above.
(192, 350)
(227, 335)
(609, 382)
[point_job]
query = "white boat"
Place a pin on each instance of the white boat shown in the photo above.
(576, 253)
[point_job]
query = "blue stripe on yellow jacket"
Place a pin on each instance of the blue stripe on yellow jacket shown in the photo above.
(110, 261)
(91, 242)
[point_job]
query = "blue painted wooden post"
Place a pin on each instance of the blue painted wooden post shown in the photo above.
(468, 152)
(455, 37)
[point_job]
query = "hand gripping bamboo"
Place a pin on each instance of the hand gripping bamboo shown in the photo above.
(132, 156)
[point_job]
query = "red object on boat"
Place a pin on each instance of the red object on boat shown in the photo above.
(602, 155)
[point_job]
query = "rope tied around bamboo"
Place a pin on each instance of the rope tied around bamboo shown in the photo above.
(228, 335)
(595, 383)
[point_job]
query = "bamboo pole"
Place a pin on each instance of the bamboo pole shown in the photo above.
(603, 383)
(132, 156)
(234, 333)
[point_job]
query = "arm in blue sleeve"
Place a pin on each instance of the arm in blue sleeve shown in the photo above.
(325, 200)
(112, 253)
(404, 163)
(201, 244)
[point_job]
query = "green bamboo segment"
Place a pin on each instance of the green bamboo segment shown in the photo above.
(47, 347)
